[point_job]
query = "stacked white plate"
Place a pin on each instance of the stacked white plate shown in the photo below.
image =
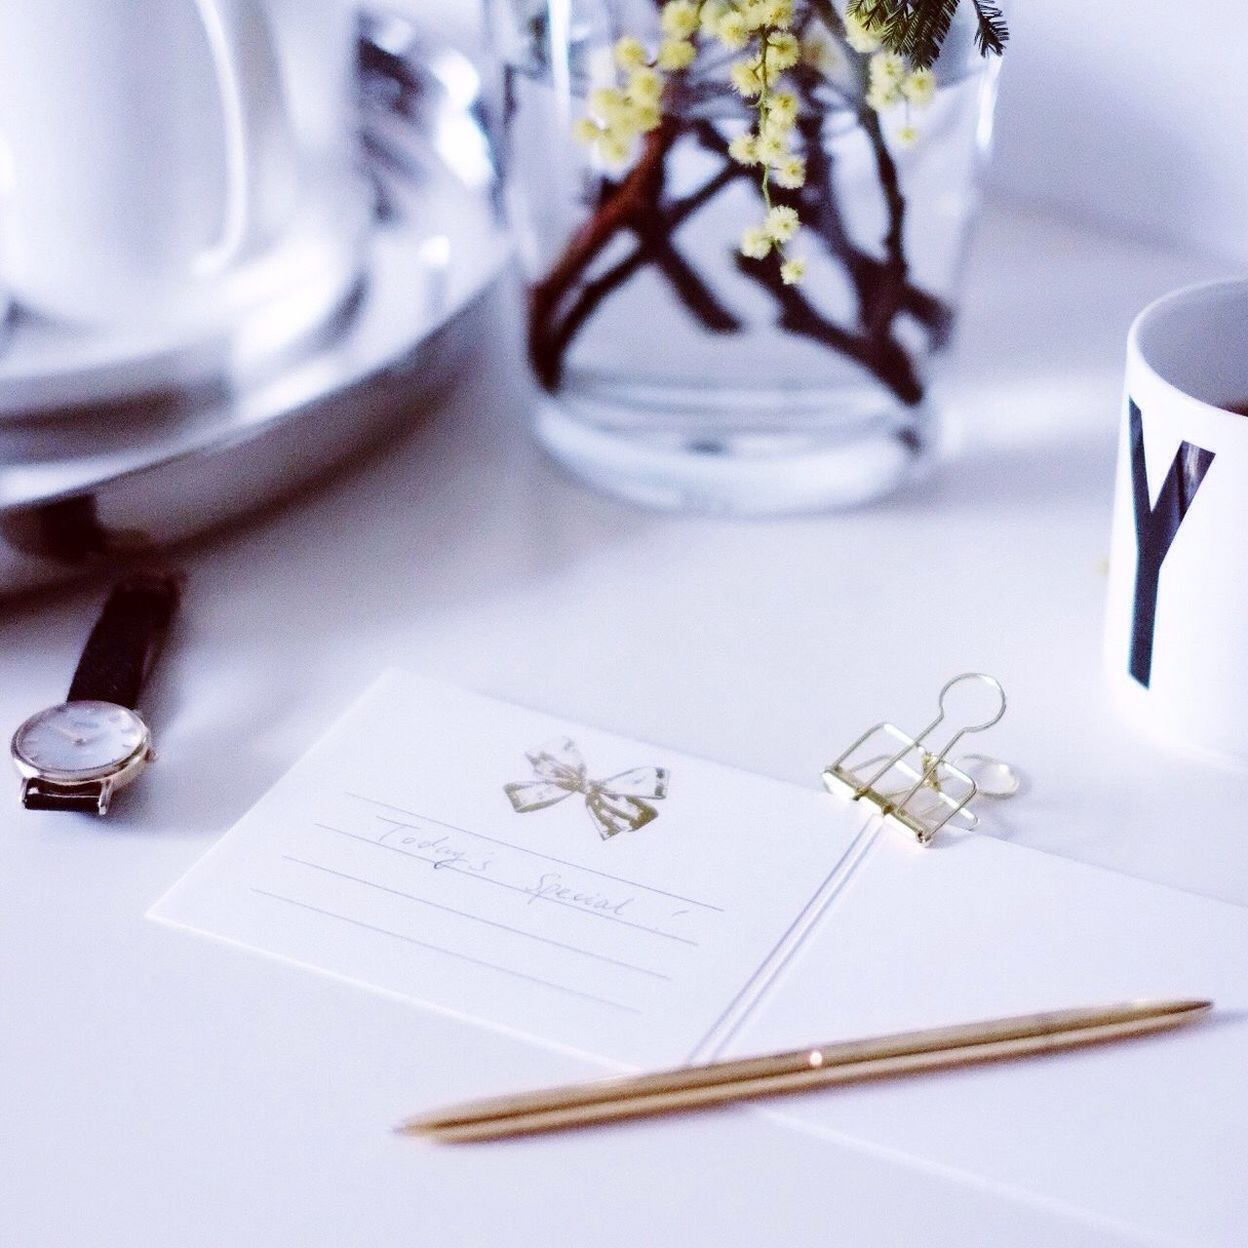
(103, 459)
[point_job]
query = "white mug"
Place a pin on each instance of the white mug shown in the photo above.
(1177, 619)
(177, 161)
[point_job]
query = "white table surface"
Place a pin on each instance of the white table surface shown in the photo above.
(159, 1089)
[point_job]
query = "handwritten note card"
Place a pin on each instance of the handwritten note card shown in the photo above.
(587, 891)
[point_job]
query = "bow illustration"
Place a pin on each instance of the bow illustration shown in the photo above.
(614, 804)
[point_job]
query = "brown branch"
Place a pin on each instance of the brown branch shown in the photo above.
(885, 302)
(884, 358)
(816, 204)
(886, 295)
(690, 289)
(622, 203)
(549, 366)
(548, 361)
(549, 340)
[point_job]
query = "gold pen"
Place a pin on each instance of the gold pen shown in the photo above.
(751, 1078)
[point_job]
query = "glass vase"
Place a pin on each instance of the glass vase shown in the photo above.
(677, 371)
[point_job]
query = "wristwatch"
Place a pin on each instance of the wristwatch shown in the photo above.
(75, 756)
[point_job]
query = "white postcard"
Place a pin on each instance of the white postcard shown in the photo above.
(583, 890)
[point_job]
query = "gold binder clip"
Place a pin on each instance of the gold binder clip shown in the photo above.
(913, 787)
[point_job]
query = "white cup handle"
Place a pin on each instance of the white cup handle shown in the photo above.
(245, 64)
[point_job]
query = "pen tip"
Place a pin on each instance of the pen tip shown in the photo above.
(1185, 1008)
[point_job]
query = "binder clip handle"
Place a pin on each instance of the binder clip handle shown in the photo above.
(982, 703)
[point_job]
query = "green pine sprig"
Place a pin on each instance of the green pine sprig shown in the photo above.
(918, 28)
(992, 34)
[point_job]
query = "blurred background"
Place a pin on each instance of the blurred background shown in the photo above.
(1133, 116)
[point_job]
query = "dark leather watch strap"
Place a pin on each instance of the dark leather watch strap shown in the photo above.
(85, 801)
(125, 640)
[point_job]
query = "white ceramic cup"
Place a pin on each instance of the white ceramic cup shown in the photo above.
(176, 162)
(1177, 619)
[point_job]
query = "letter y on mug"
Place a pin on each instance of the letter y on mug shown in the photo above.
(1156, 526)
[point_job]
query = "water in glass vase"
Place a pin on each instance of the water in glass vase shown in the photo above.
(680, 373)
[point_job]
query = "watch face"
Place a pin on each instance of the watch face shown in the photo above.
(80, 740)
